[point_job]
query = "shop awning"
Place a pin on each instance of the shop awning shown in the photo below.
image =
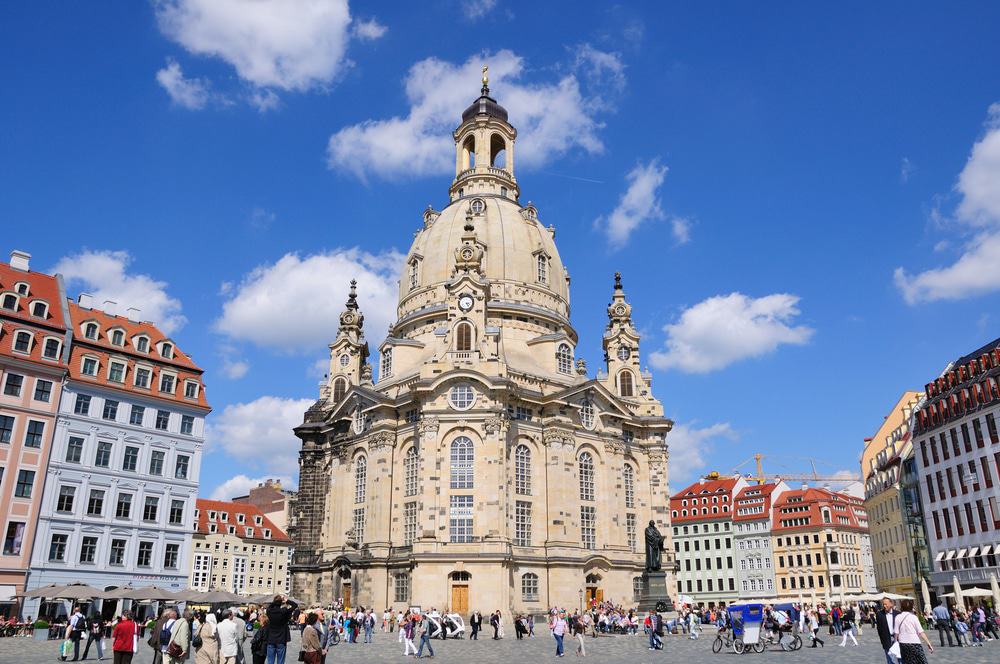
(961, 553)
(951, 554)
(939, 556)
(986, 550)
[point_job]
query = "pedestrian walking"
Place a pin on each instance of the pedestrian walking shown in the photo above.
(559, 629)
(206, 640)
(847, 627)
(178, 641)
(814, 628)
(124, 638)
(942, 623)
(476, 623)
(95, 635)
(311, 644)
(258, 644)
(909, 634)
(885, 625)
(425, 638)
(228, 634)
(578, 632)
(409, 631)
(279, 615)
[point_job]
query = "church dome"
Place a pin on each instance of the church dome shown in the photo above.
(485, 105)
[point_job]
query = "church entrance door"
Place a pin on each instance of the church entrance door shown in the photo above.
(460, 599)
(346, 592)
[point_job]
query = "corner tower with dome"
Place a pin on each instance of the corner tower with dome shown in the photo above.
(484, 468)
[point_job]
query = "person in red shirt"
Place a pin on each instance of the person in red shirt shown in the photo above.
(124, 639)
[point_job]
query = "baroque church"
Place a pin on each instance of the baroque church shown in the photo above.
(483, 468)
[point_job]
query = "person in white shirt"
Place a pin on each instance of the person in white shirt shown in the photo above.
(228, 639)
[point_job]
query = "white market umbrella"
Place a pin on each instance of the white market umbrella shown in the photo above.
(925, 593)
(995, 590)
(957, 592)
(976, 592)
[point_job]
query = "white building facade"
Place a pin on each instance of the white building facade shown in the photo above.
(120, 492)
(752, 540)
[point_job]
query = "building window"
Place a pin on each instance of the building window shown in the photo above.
(339, 389)
(460, 519)
(187, 424)
(90, 331)
(359, 524)
(543, 269)
(103, 457)
(162, 419)
(136, 415)
(57, 548)
(522, 523)
(6, 428)
(360, 479)
(170, 555)
(386, 364)
(167, 351)
(145, 557)
(110, 409)
(167, 383)
(64, 503)
(150, 509)
(586, 470)
(402, 587)
(12, 386)
(463, 337)
(625, 386)
(22, 342)
(587, 414)
(588, 531)
(123, 510)
(51, 349)
(564, 359)
(462, 463)
(10, 301)
(522, 470)
(116, 373)
(409, 523)
(156, 462)
(25, 482)
(74, 450)
(88, 550)
(43, 390)
(410, 466)
(118, 338)
(414, 273)
(529, 587)
(13, 538)
(89, 367)
(33, 437)
(181, 469)
(39, 309)
(142, 344)
(190, 389)
(462, 397)
(142, 377)
(95, 504)
(630, 533)
(131, 460)
(628, 479)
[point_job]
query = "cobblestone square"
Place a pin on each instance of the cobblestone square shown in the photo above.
(633, 650)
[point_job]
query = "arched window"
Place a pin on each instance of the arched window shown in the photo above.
(587, 414)
(498, 151)
(628, 479)
(90, 331)
(543, 269)
(410, 472)
(360, 479)
(22, 341)
(586, 467)
(529, 587)
(386, 364)
(522, 470)
(625, 386)
(21, 288)
(564, 359)
(118, 338)
(39, 309)
(469, 153)
(414, 273)
(462, 463)
(463, 336)
(477, 206)
(10, 301)
(339, 388)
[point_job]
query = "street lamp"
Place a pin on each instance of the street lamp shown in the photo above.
(581, 601)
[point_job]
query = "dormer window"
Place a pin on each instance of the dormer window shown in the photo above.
(51, 349)
(212, 515)
(21, 288)
(249, 532)
(258, 520)
(190, 389)
(212, 528)
(22, 341)
(142, 375)
(267, 533)
(232, 530)
(240, 518)
(10, 301)
(564, 359)
(167, 383)
(118, 338)
(224, 516)
(167, 351)
(89, 366)
(543, 269)
(142, 344)
(39, 309)
(90, 330)
(386, 363)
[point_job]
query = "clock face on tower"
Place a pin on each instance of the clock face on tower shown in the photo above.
(465, 302)
(624, 353)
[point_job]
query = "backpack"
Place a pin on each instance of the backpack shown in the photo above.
(83, 625)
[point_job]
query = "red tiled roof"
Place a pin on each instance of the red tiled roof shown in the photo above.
(42, 287)
(764, 498)
(721, 488)
(104, 350)
(814, 500)
(232, 509)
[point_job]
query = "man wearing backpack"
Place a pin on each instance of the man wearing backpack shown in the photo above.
(95, 633)
(154, 636)
(77, 625)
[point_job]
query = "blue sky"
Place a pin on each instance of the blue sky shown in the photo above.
(805, 203)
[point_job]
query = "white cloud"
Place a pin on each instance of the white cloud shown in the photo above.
(191, 93)
(369, 30)
(906, 169)
(977, 270)
(261, 219)
(552, 119)
(286, 44)
(477, 9)
(234, 367)
(603, 67)
(681, 228)
(263, 100)
(640, 203)
(241, 485)
(725, 329)
(294, 305)
(690, 446)
(259, 434)
(103, 274)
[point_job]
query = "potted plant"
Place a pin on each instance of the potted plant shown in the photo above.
(41, 630)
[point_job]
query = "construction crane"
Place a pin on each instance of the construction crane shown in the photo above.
(760, 478)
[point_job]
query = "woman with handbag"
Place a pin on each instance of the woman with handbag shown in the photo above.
(908, 633)
(312, 650)
(258, 644)
(206, 641)
(123, 639)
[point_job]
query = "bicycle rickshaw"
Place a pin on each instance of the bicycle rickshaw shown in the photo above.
(745, 621)
(786, 635)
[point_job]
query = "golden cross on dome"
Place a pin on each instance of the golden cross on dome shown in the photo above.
(486, 76)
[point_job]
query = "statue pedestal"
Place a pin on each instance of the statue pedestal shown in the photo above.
(654, 593)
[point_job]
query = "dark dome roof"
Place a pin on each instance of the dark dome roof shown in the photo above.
(485, 105)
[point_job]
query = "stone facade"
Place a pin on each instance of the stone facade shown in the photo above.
(484, 469)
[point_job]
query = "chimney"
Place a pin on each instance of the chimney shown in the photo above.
(19, 260)
(109, 307)
(133, 315)
(804, 486)
(86, 300)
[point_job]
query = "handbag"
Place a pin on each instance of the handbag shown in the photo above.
(174, 650)
(302, 655)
